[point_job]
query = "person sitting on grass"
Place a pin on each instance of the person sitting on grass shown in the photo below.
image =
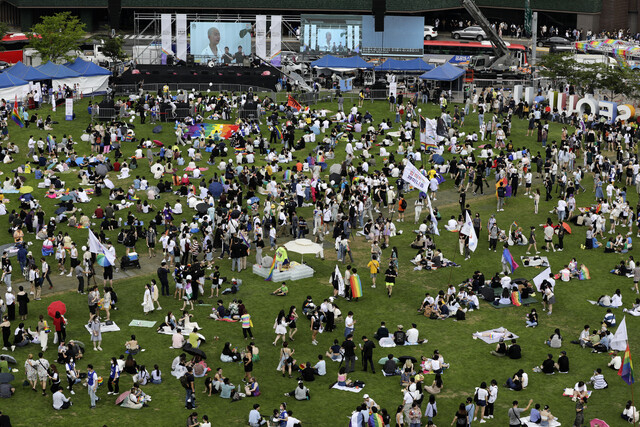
(282, 291)
(302, 392)
(580, 391)
(519, 381)
(390, 366)
(548, 366)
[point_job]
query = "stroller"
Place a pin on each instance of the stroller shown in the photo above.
(130, 261)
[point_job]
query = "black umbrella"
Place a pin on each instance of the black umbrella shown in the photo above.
(101, 169)
(403, 359)
(6, 377)
(235, 214)
(202, 207)
(194, 351)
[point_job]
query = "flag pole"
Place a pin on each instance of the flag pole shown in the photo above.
(632, 400)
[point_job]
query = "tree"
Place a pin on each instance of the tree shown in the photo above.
(112, 48)
(4, 29)
(56, 36)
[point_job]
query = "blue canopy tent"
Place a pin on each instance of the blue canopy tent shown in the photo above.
(57, 71)
(12, 87)
(27, 73)
(411, 66)
(93, 78)
(341, 64)
(445, 73)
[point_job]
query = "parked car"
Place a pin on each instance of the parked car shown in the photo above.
(430, 32)
(472, 32)
(554, 41)
(3, 65)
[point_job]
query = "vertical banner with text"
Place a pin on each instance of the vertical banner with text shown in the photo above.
(261, 36)
(68, 109)
(165, 31)
(276, 40)
(181, 36)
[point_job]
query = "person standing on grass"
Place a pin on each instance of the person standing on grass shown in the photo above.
(514, 413)
(45, 272)
(114, 377)
(390, 278)
(532, 241)
(316, 323)
(92, 385)
(374, 267)
(493, 396)
(581, 405)
(245, 318)
(367, 347)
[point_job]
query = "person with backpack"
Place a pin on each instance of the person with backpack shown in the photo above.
(402, 206)
(515, 412)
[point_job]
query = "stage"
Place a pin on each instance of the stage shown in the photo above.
(262, 77)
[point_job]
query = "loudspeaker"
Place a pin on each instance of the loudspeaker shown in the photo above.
(114, 7)
(379, 7)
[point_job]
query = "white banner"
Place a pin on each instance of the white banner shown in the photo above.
(413, 177)
(261, 36)
(468, 230)
(68, 110)
(181, 36)
(165, 25)
(276, 40)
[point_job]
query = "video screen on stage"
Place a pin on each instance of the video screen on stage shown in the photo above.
(223, 42)
(335, 34)
(402, 36)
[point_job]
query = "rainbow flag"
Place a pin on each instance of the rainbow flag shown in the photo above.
(375, 420)
(15, 115)
(356, 286)
(584, 273)
(516, 299)
(626, 369)
(208, 130)
(273, 266)
(508, 258)
(240, 150)
(287, 175)
(279, 132)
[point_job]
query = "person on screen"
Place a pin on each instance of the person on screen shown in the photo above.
(226, 56)
(328, 37)
(239, 56)
(214, 39)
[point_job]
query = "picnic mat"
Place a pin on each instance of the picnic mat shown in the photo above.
(351, 389)
(552, 423)
(492, 336)
(142, 323)
(185, 331)
(498, 291)
(535, 261)
(105, 328)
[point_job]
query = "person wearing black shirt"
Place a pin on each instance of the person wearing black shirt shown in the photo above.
(382, 331)
(548, 366)
(563, 363)
(308, 373)
(367, 347)
(390, 366)
(399, 336)
(514, 351)
(349, 353)
(163, 273)
(390, 278)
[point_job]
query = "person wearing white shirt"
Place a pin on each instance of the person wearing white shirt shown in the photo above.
(412, 335)
(616, 299)
(60, 401)
(320, 366)
(177, 208)
(255, 418)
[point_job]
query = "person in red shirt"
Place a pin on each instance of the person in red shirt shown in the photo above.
(116, 166)
(99, 213)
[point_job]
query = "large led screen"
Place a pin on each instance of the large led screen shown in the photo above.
(402, 36)
(223, 42)
(334, 34)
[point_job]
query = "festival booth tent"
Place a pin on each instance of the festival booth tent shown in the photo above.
(341, 64)
(411, 66)
(59, 74)
(93, 78)
(12, 87)
(445, 73)
(27, 73)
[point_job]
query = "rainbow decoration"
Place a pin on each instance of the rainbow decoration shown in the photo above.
(584, 273)
(287, 175)
(209, 130)
(626, 369)
(279, 132)
(508, 258)
(240, 150)
(15, 116)
(273, 266)
(516, 299)
(375, 420)
(356, 286)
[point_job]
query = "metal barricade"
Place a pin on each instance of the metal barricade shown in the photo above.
(103, 114)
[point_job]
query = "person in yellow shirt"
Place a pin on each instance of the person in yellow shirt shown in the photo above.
(374, 266)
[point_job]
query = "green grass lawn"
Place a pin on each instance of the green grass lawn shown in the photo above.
(470, 360)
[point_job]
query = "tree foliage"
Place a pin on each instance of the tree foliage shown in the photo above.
(56, 36)
(112, 48)
(618, 79)
(4, 29)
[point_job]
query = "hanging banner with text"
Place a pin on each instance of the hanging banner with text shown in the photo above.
(276, 40)
(165, 31)
(261, 36)
(68, 110)
(181, 36)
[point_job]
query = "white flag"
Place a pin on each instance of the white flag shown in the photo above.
(545, 275)
(412, 176)
(338, 276)
(620, 338)
(434, 220)
(468, 230)
(95, 247)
